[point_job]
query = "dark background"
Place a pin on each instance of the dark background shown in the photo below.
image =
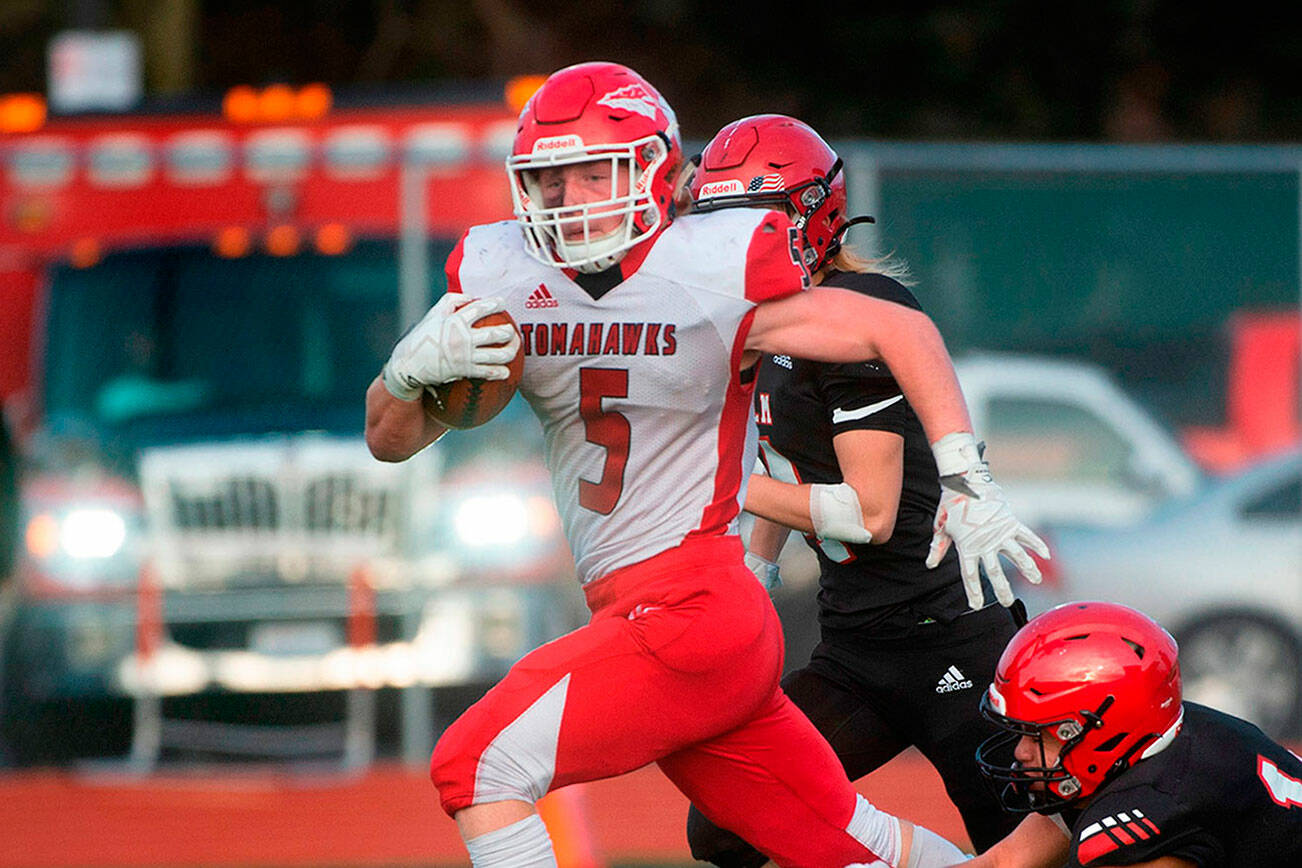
(1105, 70)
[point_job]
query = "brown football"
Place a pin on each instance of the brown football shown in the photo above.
(469, 402)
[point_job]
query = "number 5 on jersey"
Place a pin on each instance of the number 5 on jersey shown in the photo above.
(608, 429)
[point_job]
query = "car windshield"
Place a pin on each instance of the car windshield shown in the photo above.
(173, 344)
(180, 332)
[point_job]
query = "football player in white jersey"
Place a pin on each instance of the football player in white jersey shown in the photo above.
(640, 333)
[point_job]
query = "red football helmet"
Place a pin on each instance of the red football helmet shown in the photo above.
(1103, 679)
(587, 112)
(774, 160)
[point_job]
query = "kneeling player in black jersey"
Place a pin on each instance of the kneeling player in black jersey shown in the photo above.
(904, 651)
(1118, 768)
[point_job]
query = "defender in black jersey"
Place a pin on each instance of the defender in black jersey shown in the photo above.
(1090, 693)
(902, 656)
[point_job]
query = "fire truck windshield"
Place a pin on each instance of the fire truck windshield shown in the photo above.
(169, 344)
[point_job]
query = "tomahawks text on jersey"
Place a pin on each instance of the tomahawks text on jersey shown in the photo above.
(647, 443)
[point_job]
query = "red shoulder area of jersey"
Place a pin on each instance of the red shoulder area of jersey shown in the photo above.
(1114, 832)
(774, 268)
(453, 266)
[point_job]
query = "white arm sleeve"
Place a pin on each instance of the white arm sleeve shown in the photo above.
(929, 850)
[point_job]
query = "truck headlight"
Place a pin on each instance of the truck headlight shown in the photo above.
(502, 528)
(92, 533)
(492, 519)
(86, 533)
(85, 546)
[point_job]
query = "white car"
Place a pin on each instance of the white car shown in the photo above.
(1067, 444)
(1222, 570)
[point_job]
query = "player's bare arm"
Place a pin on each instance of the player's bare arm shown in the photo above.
(779, 502)
(397, 430)
(834, 325)
(862, 509)
(872, 463)
(827, 510)
(442, 347)
(827, 324)
(1037, 842)
(767, 538)
(763, 547)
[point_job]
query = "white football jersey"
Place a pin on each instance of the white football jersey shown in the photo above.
(645, 411)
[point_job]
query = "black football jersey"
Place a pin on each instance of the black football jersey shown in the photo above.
(1222, 794)
(799, 407)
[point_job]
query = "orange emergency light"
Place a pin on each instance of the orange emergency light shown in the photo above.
(86, 253)
(520, 88)
(21, 112)
(283, 240)
(332, 239)
(232, 242)
(276, 103)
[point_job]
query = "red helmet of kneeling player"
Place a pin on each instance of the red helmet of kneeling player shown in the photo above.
(778, 161)
(607, 123)
(1082, 692)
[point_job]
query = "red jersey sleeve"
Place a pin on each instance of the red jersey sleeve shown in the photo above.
(453, 266)
(773, 265)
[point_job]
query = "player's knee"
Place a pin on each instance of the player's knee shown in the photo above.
(718, 846)
(466, 772)
(447, 769)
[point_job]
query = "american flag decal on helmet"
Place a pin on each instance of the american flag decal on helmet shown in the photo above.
(765, 183)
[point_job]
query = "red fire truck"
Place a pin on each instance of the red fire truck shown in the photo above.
(191, 307)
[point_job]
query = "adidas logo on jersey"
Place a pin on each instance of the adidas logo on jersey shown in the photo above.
(540, 298)
(953, 680)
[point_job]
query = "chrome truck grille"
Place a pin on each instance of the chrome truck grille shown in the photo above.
(304, 509)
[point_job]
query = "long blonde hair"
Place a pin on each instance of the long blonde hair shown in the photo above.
(849, 260)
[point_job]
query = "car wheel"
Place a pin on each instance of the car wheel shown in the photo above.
(1245, 666)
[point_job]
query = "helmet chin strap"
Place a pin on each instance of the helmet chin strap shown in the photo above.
(834, 246)
(853, 221)
(593, 247)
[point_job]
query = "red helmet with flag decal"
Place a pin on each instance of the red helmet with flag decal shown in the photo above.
(778, 161)
(1102, 679)
(595, 111)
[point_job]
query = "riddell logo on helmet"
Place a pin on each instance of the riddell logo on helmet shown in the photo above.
(632, 98)
(557, 143)
(721, 188)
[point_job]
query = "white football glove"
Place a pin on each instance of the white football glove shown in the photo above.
(976, 518)
(836, 514)
(765, 570)
(445, 346)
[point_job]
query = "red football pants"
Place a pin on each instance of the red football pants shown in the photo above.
(679, 666)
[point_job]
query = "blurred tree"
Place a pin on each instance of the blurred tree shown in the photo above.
(983, 69)
(168, 32)
(25, 27)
